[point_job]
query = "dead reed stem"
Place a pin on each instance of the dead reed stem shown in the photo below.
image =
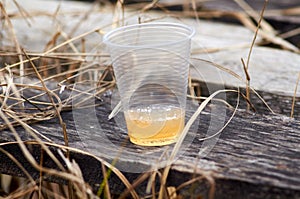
(295, 94)
(183, 135)
(257, 17)
(17, 163)
(245, 20)
(15, 40)
(247, 83)
(57, 109)
(246, 66)
(232, 73)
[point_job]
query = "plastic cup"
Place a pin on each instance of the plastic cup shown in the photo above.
(151, 65)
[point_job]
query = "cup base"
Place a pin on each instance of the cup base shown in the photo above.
(154, 142)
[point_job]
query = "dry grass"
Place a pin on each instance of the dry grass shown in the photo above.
(65, 61)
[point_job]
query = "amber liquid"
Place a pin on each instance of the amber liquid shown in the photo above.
(154, 126)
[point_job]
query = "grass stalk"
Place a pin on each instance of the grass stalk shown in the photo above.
(246, 66)
(181, 138)
(294, 97)
(57, 109)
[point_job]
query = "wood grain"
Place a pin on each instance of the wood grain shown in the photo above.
(255, 156)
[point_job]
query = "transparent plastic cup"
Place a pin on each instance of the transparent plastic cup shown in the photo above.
(151, 65)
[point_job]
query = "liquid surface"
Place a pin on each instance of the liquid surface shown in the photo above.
(154, 126)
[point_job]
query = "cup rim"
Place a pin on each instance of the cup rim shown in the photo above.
(106, 37)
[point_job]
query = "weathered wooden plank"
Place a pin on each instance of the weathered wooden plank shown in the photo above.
(270, 70)
(256, 151)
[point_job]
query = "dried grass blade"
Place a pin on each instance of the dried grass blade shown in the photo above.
(23, 12)
(23, 193)
(239, 78)
(22, 146)
(290, 33)
(138, 181)
(24, 149)
(8, 83)
(191, 181)
(70, 40)
(251, 12)
(106, 188)
(291, 11)
(113, 169)
(203, 98)
(17, 163)
(57, 109)
(256, 32)
(182, 136)
(19, 141)
(294, 97)
(15, 40)
(194, 6)
(279, 41)
(41, 174)
(247, 84)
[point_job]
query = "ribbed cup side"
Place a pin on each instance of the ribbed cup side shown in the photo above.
(151, 63)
